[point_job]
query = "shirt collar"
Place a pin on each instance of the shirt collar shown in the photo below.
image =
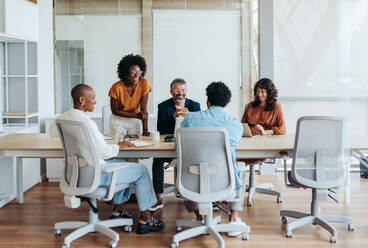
(79, 111)
(216, 108)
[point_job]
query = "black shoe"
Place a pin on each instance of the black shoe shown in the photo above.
(157, 225)
(123, 214)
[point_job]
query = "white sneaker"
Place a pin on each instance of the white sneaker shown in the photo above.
(238, 222)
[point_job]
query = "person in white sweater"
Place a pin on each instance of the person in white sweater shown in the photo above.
(84, 101)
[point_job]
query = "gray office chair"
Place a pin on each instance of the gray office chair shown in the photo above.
(205, 174)
(266, 188)
(80, 183)
(318, 163)
(106, 113)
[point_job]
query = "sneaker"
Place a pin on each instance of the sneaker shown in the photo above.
(157, 206)
(238, 222)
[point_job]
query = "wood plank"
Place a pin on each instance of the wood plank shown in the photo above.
(31, 224)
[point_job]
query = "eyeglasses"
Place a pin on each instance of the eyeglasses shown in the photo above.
(178, 90)
(133, 73)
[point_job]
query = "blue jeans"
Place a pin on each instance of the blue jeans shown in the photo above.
(133, 173)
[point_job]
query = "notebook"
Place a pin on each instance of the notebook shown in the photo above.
(246, 130)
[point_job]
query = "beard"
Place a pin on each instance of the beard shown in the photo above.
(180, 100)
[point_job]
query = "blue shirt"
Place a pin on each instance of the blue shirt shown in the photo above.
(165, 116)
(215, 116)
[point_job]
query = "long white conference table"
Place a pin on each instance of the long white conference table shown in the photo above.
(22, 146)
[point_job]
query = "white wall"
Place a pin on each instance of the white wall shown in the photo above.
(69, 27)
(200, 46)
(21, 18)
(2, 16)
(45, 60)
(355, 113)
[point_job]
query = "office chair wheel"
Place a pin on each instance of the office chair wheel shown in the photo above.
(333, 239)
(284, 220)
(350, 227)
(57, 232)
(278, 200)
(127, 228)
(179, 228)
(245, 236)
(174, 245)
(65, 246)
(113, 244)
(289, 234)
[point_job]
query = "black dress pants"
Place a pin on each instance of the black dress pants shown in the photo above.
(158, 173)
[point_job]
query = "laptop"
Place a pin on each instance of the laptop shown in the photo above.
(246, 130)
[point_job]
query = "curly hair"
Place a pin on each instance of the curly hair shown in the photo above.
(129, 60)
(269, 86)
(218, 94)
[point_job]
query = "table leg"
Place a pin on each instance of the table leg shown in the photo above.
(19, 178)
(345, 188)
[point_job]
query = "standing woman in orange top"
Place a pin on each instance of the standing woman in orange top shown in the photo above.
(129, 96)
(264, 115)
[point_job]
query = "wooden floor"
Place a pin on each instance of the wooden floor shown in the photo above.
(31, 224)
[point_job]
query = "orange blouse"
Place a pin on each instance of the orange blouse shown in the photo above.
(273, 119)
(126, 102)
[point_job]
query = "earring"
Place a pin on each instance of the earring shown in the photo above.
(82, 104)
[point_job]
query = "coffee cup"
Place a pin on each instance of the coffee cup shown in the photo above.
(155, 136)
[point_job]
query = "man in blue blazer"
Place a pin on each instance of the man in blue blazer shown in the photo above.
(168, 110)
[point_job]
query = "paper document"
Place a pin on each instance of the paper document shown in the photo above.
(138, 143)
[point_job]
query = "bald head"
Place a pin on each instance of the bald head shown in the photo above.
(78, 91)
(84, 97)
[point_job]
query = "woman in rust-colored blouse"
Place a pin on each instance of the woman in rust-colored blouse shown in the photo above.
(264, 115)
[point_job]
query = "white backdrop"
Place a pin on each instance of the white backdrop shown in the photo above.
(318, 48)
(106, 40)
(201, 47)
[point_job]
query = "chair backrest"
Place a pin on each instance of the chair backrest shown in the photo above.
(318, 159)
(106, 113)
(205, 170)
(81, 174)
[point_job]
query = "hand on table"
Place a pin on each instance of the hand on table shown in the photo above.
(264, 132)
(125, 144)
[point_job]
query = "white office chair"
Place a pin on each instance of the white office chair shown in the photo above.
(106, 113)
(318, 163)
(80, 181)
(205, 174)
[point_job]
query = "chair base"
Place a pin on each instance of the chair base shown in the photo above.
(208, 226)
(316, 218)
(262, 189)
(94, 225)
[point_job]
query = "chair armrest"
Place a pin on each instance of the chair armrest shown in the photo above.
(114, 170)
(285, 156)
